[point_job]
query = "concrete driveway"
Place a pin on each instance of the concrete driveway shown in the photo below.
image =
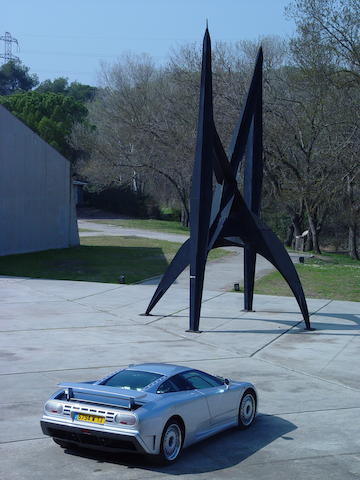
(309, 414)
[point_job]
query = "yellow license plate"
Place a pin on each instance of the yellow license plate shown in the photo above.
(90, 418)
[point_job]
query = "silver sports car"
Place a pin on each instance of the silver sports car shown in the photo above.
(154, 408)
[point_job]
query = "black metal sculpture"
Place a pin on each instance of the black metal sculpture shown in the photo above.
(222, 217)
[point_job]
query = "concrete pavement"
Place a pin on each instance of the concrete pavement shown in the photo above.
(309, 413)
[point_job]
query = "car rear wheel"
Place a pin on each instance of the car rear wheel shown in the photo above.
(171, 442)
(247, 410)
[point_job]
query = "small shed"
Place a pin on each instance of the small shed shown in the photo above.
(79, 192)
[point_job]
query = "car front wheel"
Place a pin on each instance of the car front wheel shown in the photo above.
(247, 410)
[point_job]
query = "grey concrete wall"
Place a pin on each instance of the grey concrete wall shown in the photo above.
(37, 209)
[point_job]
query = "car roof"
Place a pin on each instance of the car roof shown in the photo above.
(167, 369)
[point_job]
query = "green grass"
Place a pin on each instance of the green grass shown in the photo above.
(334, 276)
(167, 226)
(98, 259)
(333, 258)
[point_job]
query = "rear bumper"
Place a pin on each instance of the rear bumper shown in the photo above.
(94, 439)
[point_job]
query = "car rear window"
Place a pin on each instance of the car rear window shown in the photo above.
(132, 379)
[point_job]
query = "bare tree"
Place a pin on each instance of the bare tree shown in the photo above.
(328, 47)
(328, 31)
(145, 119)
(141, 129)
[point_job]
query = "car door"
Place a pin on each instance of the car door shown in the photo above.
(221, 399)
(187, 402)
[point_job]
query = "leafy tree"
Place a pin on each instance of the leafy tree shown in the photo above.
(51, 115)
(15, 77)
(79, 91)
(58, 85)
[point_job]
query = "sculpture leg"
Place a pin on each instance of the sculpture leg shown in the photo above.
(252, 230)
(276, 253)
(196, 289)
(249, 277)
(178, 265)
(201, 188)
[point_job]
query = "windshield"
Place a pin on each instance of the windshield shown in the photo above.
(131, 379)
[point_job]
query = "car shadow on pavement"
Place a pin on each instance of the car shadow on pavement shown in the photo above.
(222, 451)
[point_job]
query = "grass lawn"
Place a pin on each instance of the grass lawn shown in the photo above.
(334, 276)
(148, 224)
(98, 259)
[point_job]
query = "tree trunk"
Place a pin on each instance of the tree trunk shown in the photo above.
(182, 192)
(309, 245)
(314, 234)
(353, 251)
(185, 216)
(313, 227)
(290, 236)
(353, 229)
(298, 241)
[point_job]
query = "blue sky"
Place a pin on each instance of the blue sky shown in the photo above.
(70, 37)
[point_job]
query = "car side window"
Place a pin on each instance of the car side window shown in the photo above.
(181, 383)
(200, 380)
(215, 381)
(167, 387)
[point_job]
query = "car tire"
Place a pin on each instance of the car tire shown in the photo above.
(172, 440)
(247, 410)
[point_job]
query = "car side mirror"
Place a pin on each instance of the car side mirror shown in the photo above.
(226, 381)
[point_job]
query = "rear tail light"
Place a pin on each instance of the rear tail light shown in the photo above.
(125, 419)
(54, 408)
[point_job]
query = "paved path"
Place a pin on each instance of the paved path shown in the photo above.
(308, 382)
(115, 230)
(220, 274)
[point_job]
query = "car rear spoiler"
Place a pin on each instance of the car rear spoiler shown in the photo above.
(102, 390)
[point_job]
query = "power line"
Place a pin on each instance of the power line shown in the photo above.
(8, 40)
